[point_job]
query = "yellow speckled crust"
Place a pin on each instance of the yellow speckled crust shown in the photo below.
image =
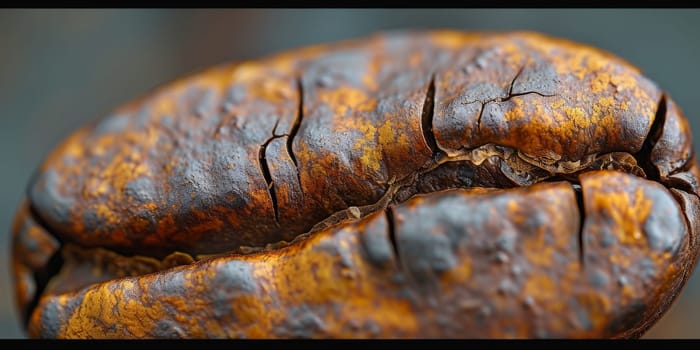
(411, 184)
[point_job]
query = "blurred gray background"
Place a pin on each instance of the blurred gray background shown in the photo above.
(62, 68)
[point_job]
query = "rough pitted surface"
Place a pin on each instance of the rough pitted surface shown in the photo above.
(411, 184)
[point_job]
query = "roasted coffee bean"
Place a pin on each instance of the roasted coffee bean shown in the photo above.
(411, 184)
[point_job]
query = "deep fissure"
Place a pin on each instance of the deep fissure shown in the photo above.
(526, 93)
(391, 228)
(578, 191)
(502, 99)
(295, 127)
(42, 277)
(644, 155)
(512, 82)
(262, 160)
(427, 117)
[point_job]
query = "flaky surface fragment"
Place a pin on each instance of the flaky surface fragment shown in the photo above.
(385, 187)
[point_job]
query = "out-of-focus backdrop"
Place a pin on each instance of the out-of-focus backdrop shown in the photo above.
(62, 68)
